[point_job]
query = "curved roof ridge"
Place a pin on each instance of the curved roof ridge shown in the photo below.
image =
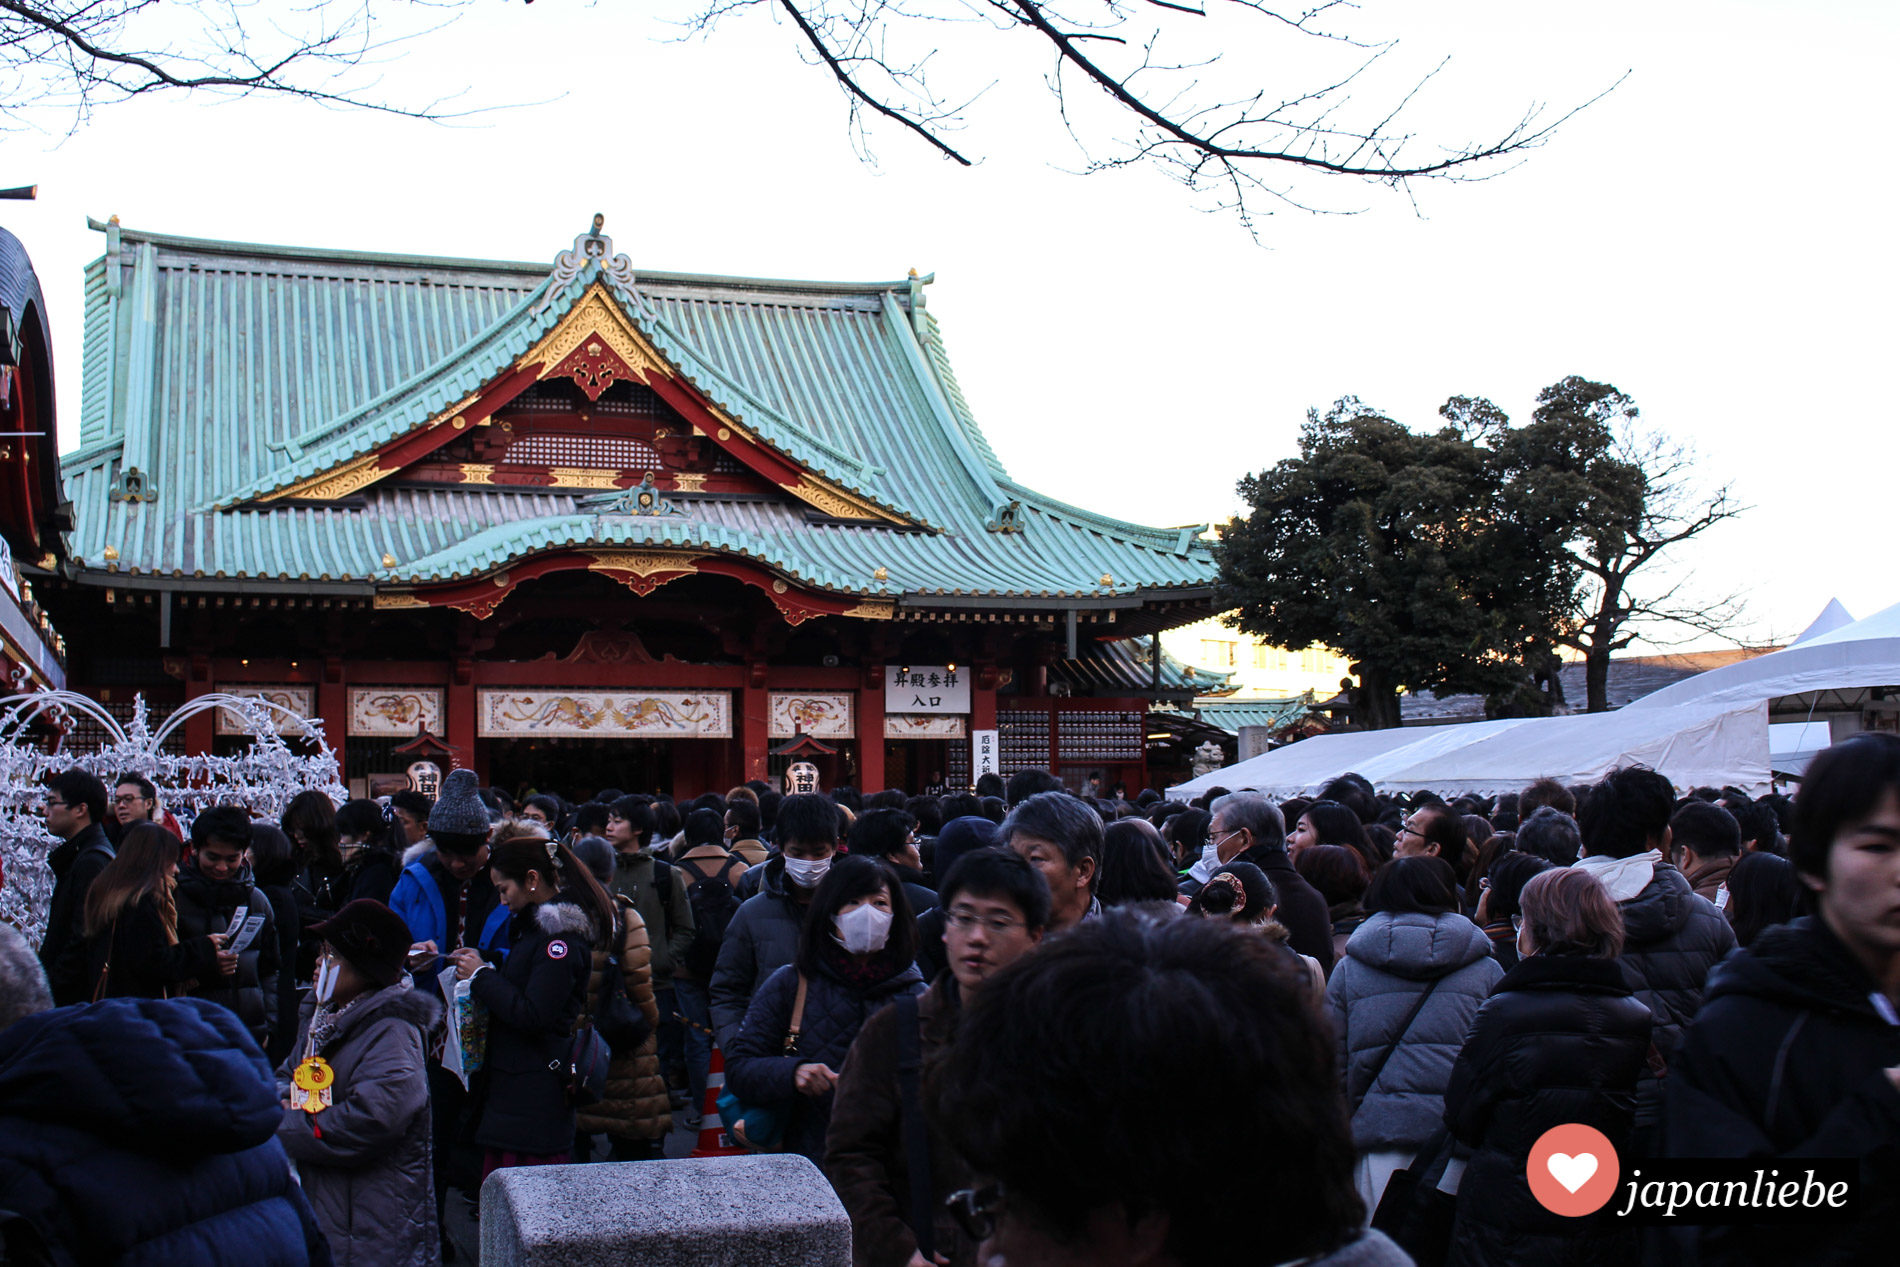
(1136, 534)
(216, 246)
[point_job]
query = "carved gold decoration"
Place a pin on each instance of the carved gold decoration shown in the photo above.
(880, 575)
(459, 422)
(389, 560)
(1107, 580)
(331, 485)
(392, 599)
(582, 477)
(686, 483)
(111, 553)
(834, 501)
(595, 318)
(725, 433)
(477, 472)
(874, 609)
(643, 562)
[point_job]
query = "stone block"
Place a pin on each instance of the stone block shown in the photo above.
(768, 1210)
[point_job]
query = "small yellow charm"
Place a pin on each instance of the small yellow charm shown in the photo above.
(314, 1077)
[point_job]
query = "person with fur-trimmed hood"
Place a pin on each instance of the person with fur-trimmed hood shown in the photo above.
(364, 1159)
(557, 912)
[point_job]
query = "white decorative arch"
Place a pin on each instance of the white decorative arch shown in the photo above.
(262, 779)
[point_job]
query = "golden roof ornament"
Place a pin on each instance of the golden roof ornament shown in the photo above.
(111, 554)
(389, 560)
(880, 575)
(1107, 581)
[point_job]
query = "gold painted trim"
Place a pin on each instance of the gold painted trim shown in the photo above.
(478, 472)
(643, 562)
(583, 477)
(390, 599)
(684, 482)
(595, 316)
(874, 609)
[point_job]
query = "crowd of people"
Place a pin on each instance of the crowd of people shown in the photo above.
(1070, 1029)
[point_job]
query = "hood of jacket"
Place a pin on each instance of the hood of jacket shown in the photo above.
(565, 918)
(401, 1001)
(417, 852)
(1660, 910)
(1417, 946)
(1800, 964)
(172, 1077)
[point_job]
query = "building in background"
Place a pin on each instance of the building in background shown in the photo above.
(1255, 670)
(33, 512)
(588, 527)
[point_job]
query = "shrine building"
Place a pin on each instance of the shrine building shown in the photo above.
(590, 526)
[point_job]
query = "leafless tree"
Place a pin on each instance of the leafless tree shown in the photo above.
(1198, 88)
(74, 56)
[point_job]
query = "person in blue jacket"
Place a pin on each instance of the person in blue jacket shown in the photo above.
(142, 1131)
(448, 900)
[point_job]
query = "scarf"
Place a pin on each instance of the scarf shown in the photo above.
(324, 1023)
(1622, 878)
(874, 971)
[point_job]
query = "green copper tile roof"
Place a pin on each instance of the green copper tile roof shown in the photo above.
(1231, 715)
(222, 372)
(1121, 666)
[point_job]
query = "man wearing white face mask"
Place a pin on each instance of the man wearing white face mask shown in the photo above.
(763, 935)
(856, 953)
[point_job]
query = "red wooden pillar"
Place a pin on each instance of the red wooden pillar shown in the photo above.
(983, 699)
(333, 705)
(754, 725)
(200, 730)
(871, 730)
(459, 700)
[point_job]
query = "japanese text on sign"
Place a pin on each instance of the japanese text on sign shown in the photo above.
(926, 688)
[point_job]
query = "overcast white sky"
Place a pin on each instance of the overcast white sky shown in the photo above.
(1716, 238)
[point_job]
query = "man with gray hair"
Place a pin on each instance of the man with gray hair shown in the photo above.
(1247, 827)
(1060, 836)
(23, 988)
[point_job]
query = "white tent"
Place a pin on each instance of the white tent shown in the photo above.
(1854, 657)
(1832, 617)
(1691, 745)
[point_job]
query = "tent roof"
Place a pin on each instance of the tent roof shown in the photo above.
(1832, 617)
(1691, 745)
(1856, 656)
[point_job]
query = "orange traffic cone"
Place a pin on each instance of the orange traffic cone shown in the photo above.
(713, 1139)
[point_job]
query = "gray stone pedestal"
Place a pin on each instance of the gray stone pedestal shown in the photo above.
(759, 1211)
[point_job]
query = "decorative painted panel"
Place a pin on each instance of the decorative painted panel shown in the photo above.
(824, 715)
(301, 700)
(508, 714)
(394, 711)
(923, 726)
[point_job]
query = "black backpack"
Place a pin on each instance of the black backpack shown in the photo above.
(714, 904)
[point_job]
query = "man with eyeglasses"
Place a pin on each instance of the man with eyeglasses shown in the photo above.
(995, 907)
(1247, 827)
(75, 810)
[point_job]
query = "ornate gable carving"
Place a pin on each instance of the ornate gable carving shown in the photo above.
(594, 344)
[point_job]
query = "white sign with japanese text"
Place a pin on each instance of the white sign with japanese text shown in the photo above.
(982, 754)
(926, 688)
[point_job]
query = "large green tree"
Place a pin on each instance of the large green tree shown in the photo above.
(1605, 499)
(1384, 544)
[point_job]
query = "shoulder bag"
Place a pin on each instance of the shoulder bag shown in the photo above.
(761, 1128)
(1412, 1211)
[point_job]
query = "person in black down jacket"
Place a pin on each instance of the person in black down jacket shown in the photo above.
(1671, 936)
(211, 890)
(1560, 1040)
(1796, 1051)
(558, 911)
(75, 808)
(855, 954)
(274, 864)
(141, 1131)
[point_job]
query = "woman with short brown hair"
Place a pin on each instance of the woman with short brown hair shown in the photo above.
(1561, 1040)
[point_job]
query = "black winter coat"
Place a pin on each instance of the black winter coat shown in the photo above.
(1785, 1060)
(533, 1000)
(206, 906)
(143, 963)
(76, 864)
(141, 1132)
(1560, 1040)
(284, 1003)
(1671, 940)
(761, 939)
(759, 1071)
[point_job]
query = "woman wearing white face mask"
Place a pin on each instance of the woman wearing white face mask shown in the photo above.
(356, 1094)
(856, 953)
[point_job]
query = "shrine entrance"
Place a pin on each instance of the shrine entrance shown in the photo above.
(578, 768)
